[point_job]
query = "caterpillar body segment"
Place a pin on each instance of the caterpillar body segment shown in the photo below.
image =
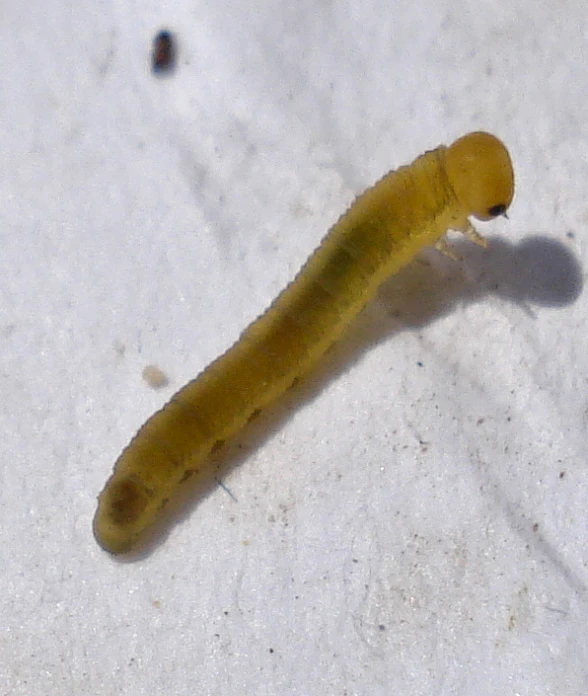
(384, 229)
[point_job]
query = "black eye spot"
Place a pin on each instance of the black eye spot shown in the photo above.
(497, 210)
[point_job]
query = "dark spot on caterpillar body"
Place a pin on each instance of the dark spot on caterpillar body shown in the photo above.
(128, 500)
(255, 414)
(217, 445)
(187, 475)
(407, 210)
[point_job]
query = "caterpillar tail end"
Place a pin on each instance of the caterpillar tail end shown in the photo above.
(119, 520)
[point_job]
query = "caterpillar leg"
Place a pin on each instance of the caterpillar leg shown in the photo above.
(446, 249)
(471, 233)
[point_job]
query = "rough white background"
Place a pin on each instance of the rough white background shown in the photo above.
(414, 520)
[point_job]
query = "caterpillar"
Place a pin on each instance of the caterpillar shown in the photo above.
(386, 226)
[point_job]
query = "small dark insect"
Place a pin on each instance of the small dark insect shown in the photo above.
(164, 53)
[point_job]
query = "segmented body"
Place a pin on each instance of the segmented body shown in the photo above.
(387, 225)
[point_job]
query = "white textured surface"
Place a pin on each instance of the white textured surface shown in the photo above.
(417, 524)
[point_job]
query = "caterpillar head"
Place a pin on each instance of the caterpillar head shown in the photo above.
(480, 171)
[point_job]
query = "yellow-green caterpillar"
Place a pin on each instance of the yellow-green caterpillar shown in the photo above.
(408, 209)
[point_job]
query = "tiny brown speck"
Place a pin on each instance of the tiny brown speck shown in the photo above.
(155, 377)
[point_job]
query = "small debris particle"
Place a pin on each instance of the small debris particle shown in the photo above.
(155, 377)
